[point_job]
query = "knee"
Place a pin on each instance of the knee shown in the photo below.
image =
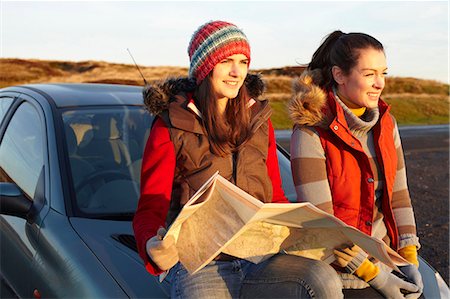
(323, 280)
(319, 278)
(297, 275)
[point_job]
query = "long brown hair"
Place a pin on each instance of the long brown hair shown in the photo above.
(227, 132)
(342, 50)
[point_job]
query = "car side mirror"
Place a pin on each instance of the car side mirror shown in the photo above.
(13, 202)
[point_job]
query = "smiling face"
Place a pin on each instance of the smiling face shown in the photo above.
(362, 87)
(228, 76)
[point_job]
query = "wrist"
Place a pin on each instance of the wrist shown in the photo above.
(356, 262)
(409, 253)
(367, 271)
(379, 280)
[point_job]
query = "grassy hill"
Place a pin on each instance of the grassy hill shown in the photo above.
(414, 101)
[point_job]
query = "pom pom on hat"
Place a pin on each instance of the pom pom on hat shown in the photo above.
(213, 42)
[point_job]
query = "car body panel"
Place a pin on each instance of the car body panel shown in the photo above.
(85, 94)
(64, 266)
(18, 236)
(17, 252)
(434, 285)
(120, 260)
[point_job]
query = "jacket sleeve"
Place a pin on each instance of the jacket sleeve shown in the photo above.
(309, 172)
(401, 201)
(273, 168)
(157, 173)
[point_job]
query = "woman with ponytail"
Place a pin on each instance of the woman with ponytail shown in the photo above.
(347, 159)
(213, 121)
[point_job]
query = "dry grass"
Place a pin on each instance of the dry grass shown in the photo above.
(20, 71)
(414, 101)
(278, 84)
(417, 86)
(419, 109)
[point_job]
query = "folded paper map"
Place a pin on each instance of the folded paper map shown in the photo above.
(220, 217)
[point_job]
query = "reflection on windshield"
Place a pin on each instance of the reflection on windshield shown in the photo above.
(105, 147)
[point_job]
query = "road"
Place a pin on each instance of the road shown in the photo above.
(414, 138)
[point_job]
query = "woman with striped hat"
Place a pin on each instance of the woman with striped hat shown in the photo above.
(213, 121)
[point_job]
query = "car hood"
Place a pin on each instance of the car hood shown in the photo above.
(112, 242)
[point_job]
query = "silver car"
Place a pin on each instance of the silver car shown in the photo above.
(70, 159)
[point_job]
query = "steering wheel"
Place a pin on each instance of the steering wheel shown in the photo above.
(101, 175)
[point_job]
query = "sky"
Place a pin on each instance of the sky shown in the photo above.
(415, 34)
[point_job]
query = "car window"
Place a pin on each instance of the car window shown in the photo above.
(105, 147)
(21, 149)
(5, 103)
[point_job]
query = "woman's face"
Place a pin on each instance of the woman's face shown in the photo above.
(228, 76)
(362, 87)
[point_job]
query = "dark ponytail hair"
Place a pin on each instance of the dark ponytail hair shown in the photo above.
(342, 50)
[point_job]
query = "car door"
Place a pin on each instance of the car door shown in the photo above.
(22, 160)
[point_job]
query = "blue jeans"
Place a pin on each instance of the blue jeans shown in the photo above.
(282, 276)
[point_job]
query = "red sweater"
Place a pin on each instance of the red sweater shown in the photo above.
(157, 174)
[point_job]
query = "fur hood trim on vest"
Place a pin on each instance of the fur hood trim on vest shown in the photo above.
(157, 96)
(309, 104)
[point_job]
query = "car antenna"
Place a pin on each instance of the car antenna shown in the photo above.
(145, 81)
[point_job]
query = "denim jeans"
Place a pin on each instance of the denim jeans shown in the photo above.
(282, 276)
(288, 276)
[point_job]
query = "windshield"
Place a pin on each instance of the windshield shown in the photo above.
(105, 147)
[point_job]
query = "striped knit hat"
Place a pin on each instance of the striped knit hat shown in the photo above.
(212, 42)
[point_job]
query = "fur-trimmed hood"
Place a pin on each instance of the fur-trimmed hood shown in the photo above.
(309, 104)
(157, 96)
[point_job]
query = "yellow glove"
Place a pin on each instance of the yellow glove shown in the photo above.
(410, 254)
(354, 260)
(349, 258)
(367, 271)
